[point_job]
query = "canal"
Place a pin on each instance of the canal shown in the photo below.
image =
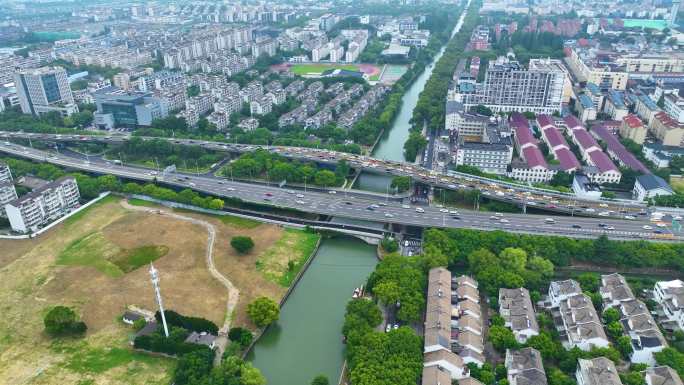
(391, 145)
(306, 341)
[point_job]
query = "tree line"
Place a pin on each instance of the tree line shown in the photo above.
(263, 164)
(430, 107)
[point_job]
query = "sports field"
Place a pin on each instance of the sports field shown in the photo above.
(317, 69)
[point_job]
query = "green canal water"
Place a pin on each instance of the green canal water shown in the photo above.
(307, 339)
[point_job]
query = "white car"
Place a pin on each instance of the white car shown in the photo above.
(388, 215)
(299, 202)
(405, 206)
(419, 210)
(661, 224)
(647, 227)
(630, 217)
(230, 189)
(609, 228)
(453, 212)
(332, 192)
(443, 210)
(590, 210)
(300, 195)
(504, 220)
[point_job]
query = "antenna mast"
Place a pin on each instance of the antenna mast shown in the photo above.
(155, 282)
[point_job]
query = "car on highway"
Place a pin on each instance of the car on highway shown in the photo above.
(494, 218)
(300, 195)
(657, 231)
(630, 217)
(609, 228)
(268, 194)
(290, 191)
(348, 203)
(647, 227)
(443, 210)
(590, 210)
(230, 189)
(419, 210)
(453, 212)
(299, 202)
(405, 206)
(332, 192)
(576, 226)
(388, 215)
(504, 220)
(549, 220)
(661, 224)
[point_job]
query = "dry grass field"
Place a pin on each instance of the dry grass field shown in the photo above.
(96, 263)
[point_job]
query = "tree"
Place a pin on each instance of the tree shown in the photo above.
(325, 178)
(401, 183)
(320, 380)
(61, 321)
(388, 292)
(241, 336)
(415, 143)
(483, 110)
(624, 345)
(611, 315)
(513, 259)
(263, 311)
(502, 338)
(390, 245)
(242, 244)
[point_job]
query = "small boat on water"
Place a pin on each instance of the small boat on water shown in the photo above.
(358, 293)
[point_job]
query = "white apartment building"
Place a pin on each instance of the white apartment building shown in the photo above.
(261, 106)
(43, 205)
(492, 158)
(670, 296)
(509, 87)
(562, 290)
(5, 173)
(674, 106)
(7, 194)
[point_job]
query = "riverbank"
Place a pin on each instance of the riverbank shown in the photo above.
(306, 340)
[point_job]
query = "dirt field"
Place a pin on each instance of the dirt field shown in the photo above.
(31, 281)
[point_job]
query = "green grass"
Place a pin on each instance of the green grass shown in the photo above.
(76, 217)
(86, 359)
(143, 203)
(304, 69)
(297, 245)
(91, 250)
(131, 259)
(677, 185)
(374, 78)
(96, 251)
(243, 223)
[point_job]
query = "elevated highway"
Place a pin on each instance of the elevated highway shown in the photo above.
(516, 193)
(369, 207)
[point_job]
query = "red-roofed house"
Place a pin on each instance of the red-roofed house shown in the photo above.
(668, 130)
(633, 128)
(568, 160)
(544, 121)
(606, 171)
(585, 141)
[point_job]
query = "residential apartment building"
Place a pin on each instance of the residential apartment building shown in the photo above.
(5, 172)
(509, 87)
(557, 144)
(577, 321)
(662, 375)
(598, 371)
(633, 128)
(516, 309)
(585, 108)
(586, 68)
(645, 108)
(525, 367)
(438, 337)
(670, 297)
(674, 106)
(635, 318)
(7, 194)
(531, 167)
(43, 90)
(492, 158)
(667, 130)
(615, 105)
(43, 205)
(468, 125)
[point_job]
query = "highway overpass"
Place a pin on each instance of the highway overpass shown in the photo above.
(368, 207)
(517, 194)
